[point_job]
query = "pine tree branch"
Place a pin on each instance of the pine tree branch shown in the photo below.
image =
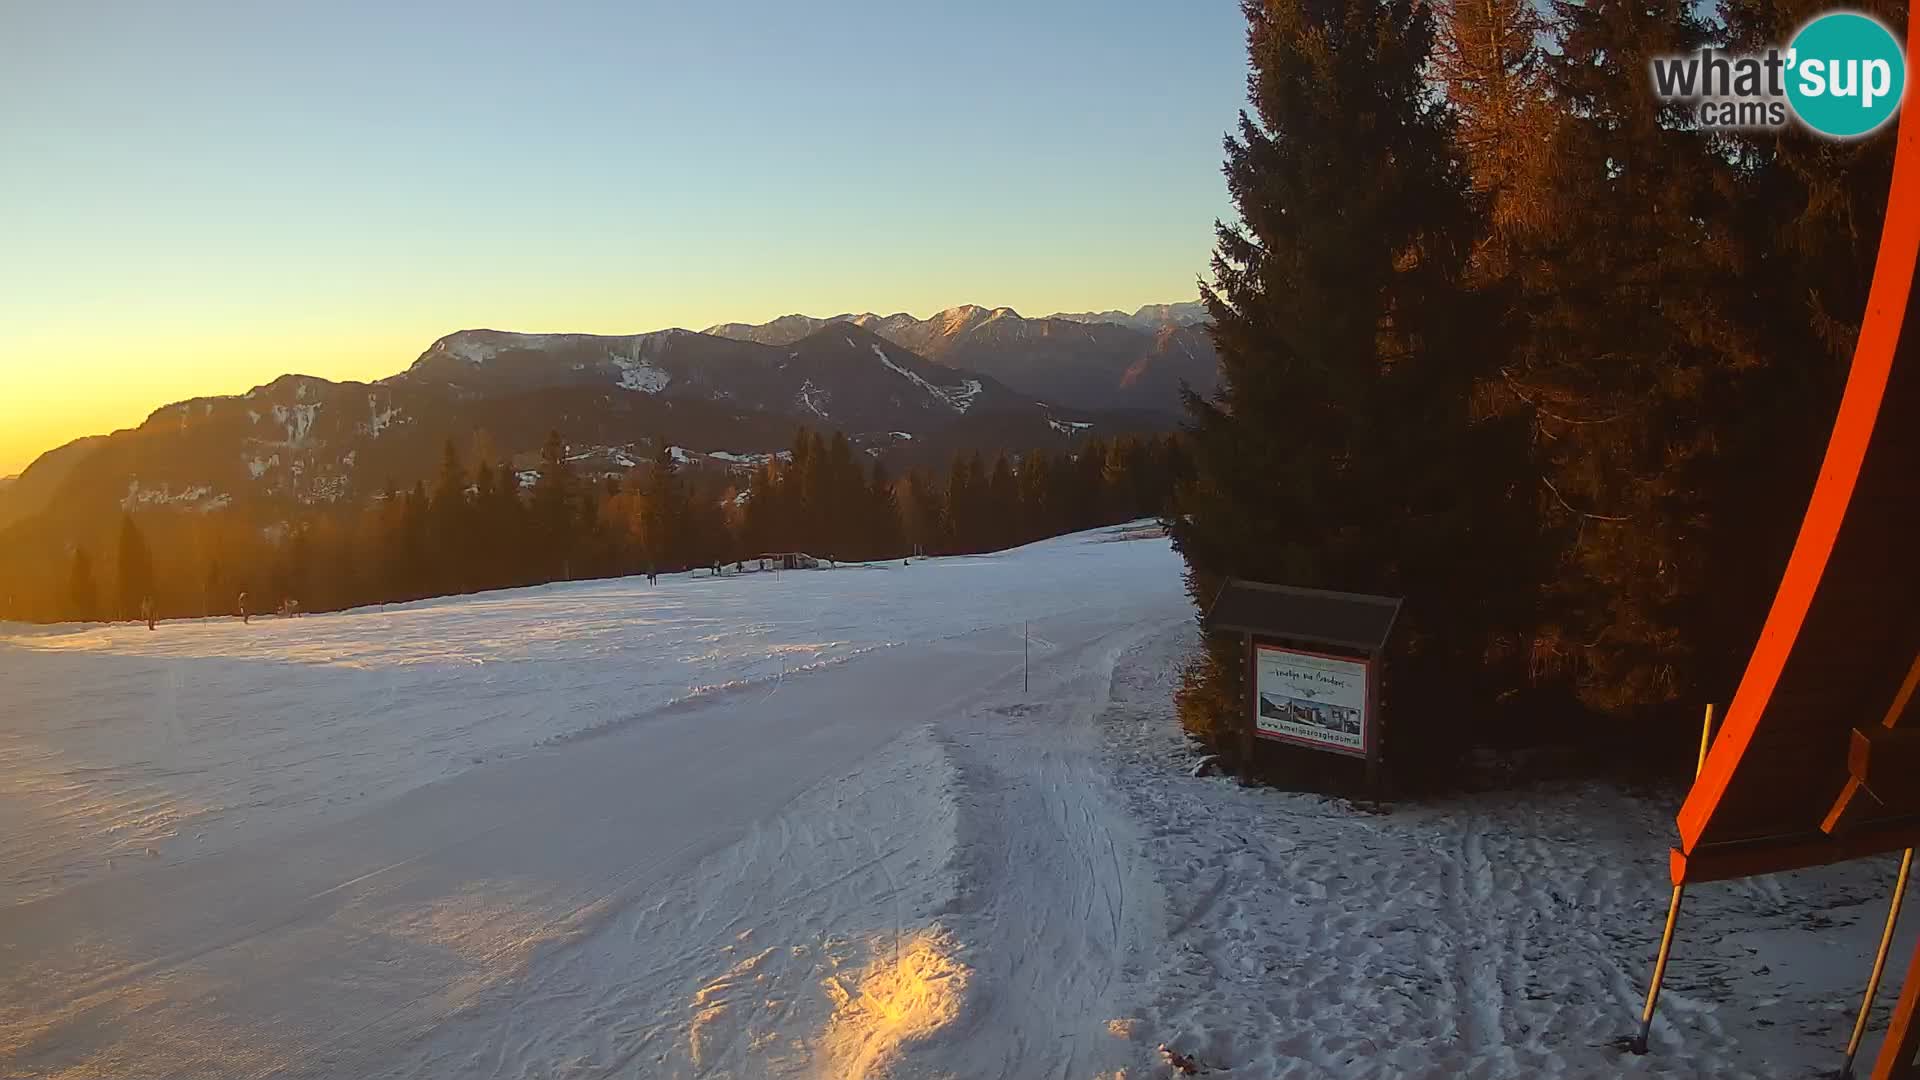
(1557, 497)
(1549, 413)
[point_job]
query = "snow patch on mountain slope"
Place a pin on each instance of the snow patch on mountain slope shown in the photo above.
(958, 398)
(477, 350)
(297, 420)
(196, 497)
(378, 419)
(805, 399)
(636, 371)
(641, 376)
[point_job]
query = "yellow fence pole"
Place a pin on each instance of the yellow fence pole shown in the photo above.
(1639, 1042)
(1879, 964)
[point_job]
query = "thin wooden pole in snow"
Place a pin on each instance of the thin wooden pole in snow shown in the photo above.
(1639, 1043)
(1879, 964)
(1026, 653)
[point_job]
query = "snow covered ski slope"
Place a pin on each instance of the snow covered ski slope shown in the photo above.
(804, 826)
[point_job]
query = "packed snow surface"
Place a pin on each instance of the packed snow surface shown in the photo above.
(814, 823)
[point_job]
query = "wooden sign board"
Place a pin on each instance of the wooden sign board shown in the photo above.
(1313, 699)
(1314, 659)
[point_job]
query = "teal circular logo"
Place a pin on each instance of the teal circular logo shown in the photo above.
(1847, 74)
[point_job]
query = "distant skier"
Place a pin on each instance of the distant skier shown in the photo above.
(244, 617)
(652, 578)
(146, 611)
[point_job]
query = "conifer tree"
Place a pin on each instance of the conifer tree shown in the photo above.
(841, 492)
(924, 513)
(554, 508)
(452, 525)
(1039, 509)
(1633, 334)
(1335, 308)
(1491, 57)
(135, 569)
(1002, 525)
(83, 598)
(885, 532)
(665, 518)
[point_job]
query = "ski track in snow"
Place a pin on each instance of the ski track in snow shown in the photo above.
(602, 834)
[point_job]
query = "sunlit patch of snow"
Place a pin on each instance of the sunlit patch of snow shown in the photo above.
(904, 436)
(913, 989)
(253, 416)
(477, 350)
(198, 497)
(1070, 427)
(258, 467)
(954, 320)
(528, 477)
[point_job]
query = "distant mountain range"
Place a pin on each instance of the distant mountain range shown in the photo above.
(1109, 360)
(901, 387)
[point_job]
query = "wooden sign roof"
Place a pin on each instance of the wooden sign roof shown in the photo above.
(1343, 620)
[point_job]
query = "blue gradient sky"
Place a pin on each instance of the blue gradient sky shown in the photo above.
(197, 197)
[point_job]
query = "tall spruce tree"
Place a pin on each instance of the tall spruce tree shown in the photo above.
(1333, 453)
(1808, 228)
(83, 597)
(452, 523)
(885, 534)
(135, 569)
(664, 519)
(554, 510)
(1632, 340)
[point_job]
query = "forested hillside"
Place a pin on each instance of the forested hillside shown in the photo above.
(482, 525)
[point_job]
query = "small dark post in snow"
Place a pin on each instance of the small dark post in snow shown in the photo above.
(1026, 651)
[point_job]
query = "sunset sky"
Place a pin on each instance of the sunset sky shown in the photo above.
(198, 197)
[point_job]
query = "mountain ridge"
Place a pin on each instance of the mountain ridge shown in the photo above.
(302, 439)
